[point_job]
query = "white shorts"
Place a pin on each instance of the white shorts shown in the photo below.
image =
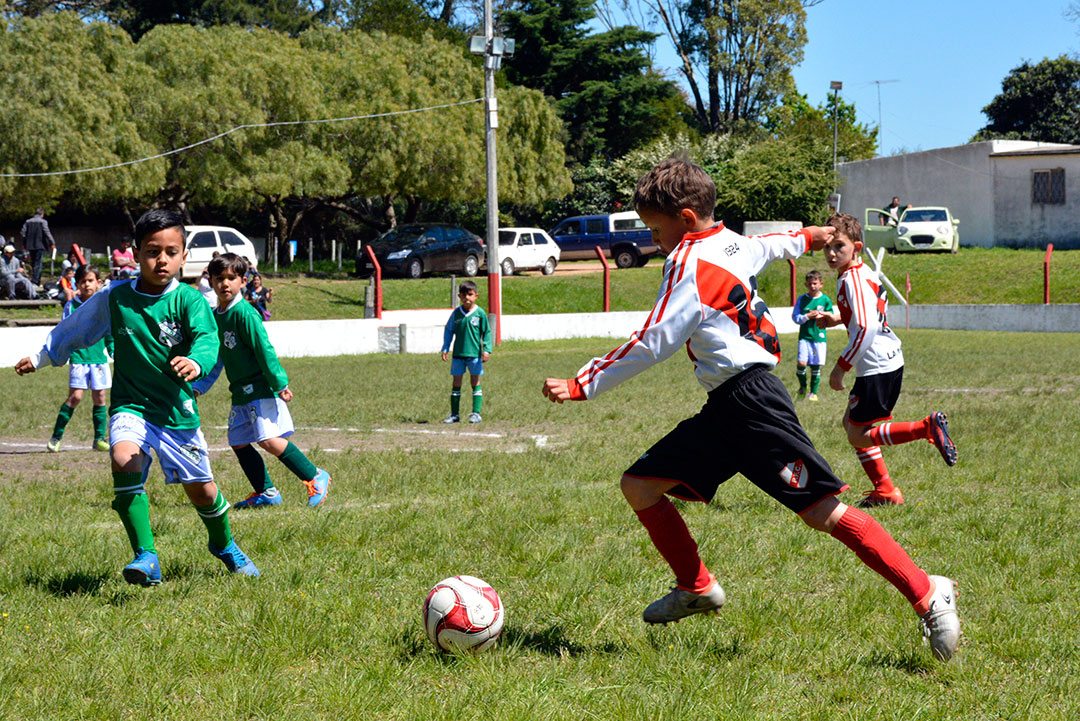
(95, 376)
(182, 452)
(259, 420)
(811, 353)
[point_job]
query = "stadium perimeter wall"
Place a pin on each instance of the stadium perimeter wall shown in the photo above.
(422, 331)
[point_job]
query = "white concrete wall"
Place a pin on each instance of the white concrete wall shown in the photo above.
(1020, 223)
(960, 178)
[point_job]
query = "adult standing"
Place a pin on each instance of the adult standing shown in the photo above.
(893, 218)
(36, 240)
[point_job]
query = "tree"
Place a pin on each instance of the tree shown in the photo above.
(736, 55)
(1037, 102)
(602, 83)
(795, 119)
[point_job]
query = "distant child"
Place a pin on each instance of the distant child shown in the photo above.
(708, 304)
(258, 295)
(874, 351)
(164, 338)
(260, 391)
(812, 345)
(89, 369)
(470, 333)
(67, 283)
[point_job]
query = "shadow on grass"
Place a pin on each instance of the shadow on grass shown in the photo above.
(78, 583)
(913, 663)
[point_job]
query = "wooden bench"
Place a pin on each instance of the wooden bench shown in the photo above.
(26, 322)
(39, 303)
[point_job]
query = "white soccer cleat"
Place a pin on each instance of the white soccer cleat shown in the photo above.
(941, 624)
(679, 604)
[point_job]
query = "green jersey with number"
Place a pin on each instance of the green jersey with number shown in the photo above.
(810, 330)
(247, 355)
(470, 332)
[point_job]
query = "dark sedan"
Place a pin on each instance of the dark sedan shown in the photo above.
(416, 249)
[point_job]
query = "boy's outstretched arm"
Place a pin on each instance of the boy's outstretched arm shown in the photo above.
(820, 235)
(558, 390)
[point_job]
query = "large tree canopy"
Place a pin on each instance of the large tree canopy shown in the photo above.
(1037, 102)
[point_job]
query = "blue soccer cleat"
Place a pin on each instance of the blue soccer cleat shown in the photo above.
(144, 570)
(235, 560)
(318, 487)
(269, 497)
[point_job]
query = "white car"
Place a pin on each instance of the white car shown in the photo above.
(203, 240)
(527, 248)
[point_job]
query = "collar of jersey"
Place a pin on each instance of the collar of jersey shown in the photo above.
(474, 309)
(238, 299)
(173, 284)
(698, 235)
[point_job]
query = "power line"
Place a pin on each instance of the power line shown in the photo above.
(233, 130)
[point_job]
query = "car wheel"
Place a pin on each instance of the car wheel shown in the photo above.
(414, 268)
(955, 244)
(507, 266)
(472, 266)
(626, 258)
(548, 267)
(642, 261)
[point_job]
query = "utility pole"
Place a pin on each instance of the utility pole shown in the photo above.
(835, 86)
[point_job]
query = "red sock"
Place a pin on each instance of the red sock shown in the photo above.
(875, 468)
(671, 537)
(893, 434)
(877, 549)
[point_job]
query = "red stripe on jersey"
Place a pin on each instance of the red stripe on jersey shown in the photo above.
(860, 313)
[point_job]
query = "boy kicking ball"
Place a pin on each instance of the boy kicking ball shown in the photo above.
(708, 304)
(163, 338)
(260, 391)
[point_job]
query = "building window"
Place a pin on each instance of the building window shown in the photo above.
(1048, 186)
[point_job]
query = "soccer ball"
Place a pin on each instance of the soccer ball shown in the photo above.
(463, 613)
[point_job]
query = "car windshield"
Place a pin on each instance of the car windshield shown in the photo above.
(925, 215)
(400, 237)
(507, 237)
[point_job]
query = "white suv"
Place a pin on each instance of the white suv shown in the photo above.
(204, 240)
(525, 248)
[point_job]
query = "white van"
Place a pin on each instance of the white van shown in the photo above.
(204, 240)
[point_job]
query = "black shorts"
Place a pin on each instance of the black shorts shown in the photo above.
(872, 398)
(747, 426)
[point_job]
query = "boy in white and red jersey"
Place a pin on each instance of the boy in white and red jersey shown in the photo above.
(874, 352)
(708, 304)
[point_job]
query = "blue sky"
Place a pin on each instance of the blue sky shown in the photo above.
(948, 57)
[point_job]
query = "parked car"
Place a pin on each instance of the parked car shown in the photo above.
(203, 240)
(418, 248)
(621, 236)
(527, 248)
(922, 228)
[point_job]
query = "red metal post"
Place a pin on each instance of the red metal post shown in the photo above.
(607, 279)
(495, 300)
(378, 280)
(793, 296)
(1046, 274)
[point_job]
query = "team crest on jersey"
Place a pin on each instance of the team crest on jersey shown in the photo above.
(187, 408)
(169, 333)
(230, 339)
(248, 389)
(794, 474)
(475, 321)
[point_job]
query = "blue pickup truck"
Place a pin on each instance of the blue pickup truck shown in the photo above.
(621, 236)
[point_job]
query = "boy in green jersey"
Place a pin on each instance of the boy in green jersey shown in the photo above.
(470, 333)
(163, 338)
(812, 345)
(89, 369)
(260, 390)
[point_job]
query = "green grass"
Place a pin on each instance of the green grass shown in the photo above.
(332, 629)
(976, 275)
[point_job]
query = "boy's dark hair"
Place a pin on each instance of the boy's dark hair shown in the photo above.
(84, 270)
(813, 275)
(846, 224)
(674, 184)
(466, 286)
(228, 261)
(158, 219)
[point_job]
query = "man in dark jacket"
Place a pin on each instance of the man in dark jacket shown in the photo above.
(36, 240)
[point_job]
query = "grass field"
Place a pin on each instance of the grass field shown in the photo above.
(976, 275)
(529, 501)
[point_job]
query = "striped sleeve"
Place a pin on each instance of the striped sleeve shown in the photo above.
(674, 317)
(862, 326)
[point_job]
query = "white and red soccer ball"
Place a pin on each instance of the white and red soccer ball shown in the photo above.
(463, 613)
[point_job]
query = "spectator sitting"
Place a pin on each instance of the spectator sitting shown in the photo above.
(13, 281)
(71, 261)
(205, 287)
(258, 295)
(123, 260)
(67, 282)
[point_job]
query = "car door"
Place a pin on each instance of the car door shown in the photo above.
(568, 234)
(200, 246)
(434, 249)
(876, 233)
(544, 246)
(596, 234)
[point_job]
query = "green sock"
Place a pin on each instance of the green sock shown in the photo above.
(477, 399)
(251, 462)
(800, 373)
(131, 504)
(295, 460)
(815, 378)
(216, 519)
(455, 401)
(62, 419)
(101, 420)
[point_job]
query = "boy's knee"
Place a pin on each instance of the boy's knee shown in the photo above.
(823, 515)
(641, 493)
